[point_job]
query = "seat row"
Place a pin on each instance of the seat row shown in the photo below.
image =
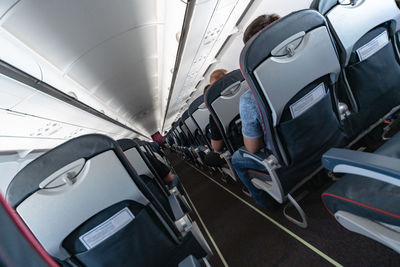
(93, 201)
(321, 79)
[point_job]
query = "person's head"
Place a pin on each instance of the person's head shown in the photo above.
(217, 74)
(206, 88)
(258, 24)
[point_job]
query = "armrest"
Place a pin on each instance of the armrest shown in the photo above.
(273, 187)
(378, 167)
(256, 157)
(189, 261)
(175, 207)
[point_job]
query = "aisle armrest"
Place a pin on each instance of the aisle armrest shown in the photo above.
(189, 261)
(271, 164)
(374, 166)
(175, 207)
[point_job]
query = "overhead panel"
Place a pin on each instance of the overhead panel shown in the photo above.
(34, 120)
(212, 22)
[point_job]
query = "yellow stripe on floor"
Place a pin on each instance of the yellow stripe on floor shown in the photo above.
(298, 238)
(207, 232)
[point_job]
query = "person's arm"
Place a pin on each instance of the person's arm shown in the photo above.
(217, 145)
(216, 138)
(162, 170)
(253, 134)
(254, 145)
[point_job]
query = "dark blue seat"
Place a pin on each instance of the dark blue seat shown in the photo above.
(365, 33)
(367, 200)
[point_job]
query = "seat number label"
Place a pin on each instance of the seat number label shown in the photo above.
(307, 101)
(106, 229)
(373, 46)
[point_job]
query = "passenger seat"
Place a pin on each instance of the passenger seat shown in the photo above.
(222, 101)
(367, 199)
(365, 32)
(292, 68)
(86, 205)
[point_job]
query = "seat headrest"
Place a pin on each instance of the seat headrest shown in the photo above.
(323, 6)
(260, 46)
(126, 144)
(220, 85)
(27, 180)
(196, 104)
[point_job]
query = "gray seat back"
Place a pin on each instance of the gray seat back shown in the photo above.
(292, 67)
(222, 100)
(191, 127)
(350, 23)
(200, 115)
(227, 105)
(282, 75)
(63, 197)
(137, 162)
(366, 35)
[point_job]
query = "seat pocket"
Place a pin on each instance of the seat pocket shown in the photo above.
(311, 131)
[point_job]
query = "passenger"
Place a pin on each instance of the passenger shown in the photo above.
(216, 138)
(165, 173)
(217, 143)
(216, 75)
(252, 127)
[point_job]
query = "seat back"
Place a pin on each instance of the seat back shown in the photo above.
(176, 135)
(188, 129)
(175, 138)
(184, 133)
(200, 115)
(292, 68)
(83, 200)
(366, 35)
(222, 100)
(17, 240)
(146, 171)
(191, 129)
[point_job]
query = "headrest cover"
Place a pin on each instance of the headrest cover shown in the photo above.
(323, 6)
(185, 115)
(219, 86)
(259, 47)
(195, 104)
(126, 144)
(27, 180)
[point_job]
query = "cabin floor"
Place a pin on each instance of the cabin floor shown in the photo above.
(247, 235)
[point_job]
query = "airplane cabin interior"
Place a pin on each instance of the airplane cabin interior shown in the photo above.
(200, 133)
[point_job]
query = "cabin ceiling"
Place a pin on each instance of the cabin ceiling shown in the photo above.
(119, 52)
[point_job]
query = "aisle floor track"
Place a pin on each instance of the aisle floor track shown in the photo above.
(250, 237)
(214, 244)
(308, 245)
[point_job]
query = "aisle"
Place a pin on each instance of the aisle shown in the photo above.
(246, 237)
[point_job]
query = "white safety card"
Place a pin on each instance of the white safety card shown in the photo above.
(373, 46)
(307, 101)
(107, 228)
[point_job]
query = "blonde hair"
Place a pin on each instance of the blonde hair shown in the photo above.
(218, 74)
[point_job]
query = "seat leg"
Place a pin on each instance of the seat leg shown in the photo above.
(292, 202)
